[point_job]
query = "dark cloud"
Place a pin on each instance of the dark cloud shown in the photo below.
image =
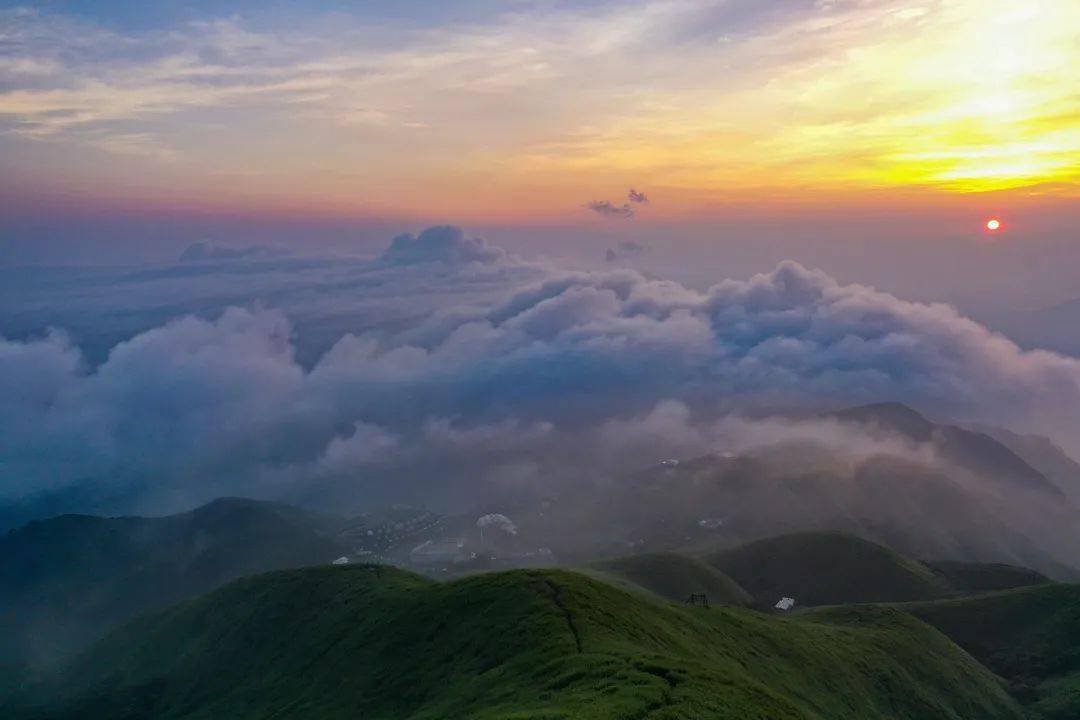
(608, 209)
(626, 210)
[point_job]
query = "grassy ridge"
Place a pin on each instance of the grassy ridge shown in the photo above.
(674, 577)
(969, 578)
(827, 568)
(64, 582)
(1027, 635)
(370, 641)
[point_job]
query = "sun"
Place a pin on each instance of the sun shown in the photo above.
(993, 224)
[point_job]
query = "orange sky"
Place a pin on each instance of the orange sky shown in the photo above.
(530, 114)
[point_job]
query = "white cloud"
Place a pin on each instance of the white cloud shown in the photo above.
(445, 243)
(574, 369)
(367, 444)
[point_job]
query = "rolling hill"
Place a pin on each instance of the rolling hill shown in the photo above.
(65, 581)
(816, 568)
(972, 578)
(928, 490)
(827, 568)
(674, 577)
(1026, 635)
(372, 641)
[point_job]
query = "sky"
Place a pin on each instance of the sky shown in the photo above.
(523, 113)
(234, 235)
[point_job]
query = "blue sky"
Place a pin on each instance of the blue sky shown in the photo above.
(138, 15)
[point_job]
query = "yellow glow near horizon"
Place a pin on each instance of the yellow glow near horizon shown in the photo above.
(532, 115)
(1010, 120)
(973, 97)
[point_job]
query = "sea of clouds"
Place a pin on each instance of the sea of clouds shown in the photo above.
(446, 366)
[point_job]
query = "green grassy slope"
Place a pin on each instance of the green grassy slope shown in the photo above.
(826, 568)
(674, 577)
(1030, 636)
(64, 582)
(967, 578)
(374, 642)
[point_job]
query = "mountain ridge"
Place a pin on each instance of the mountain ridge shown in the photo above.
(529, 644)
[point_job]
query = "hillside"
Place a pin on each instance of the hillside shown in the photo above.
(674, 577)
(970, 578)
(1044, 455)
(826, 568)
(371, 641)
(65, 581)
(974, 451)
(1027, 635)
(925, 489)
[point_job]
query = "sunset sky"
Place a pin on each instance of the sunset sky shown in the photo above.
(234, 235)
(523, 112)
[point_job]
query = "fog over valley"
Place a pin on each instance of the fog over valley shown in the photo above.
(449, 374)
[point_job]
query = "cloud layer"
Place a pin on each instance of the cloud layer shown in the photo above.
(567, 367)
(445, 244)
(209, 251)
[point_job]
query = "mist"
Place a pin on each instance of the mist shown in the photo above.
(448, 372)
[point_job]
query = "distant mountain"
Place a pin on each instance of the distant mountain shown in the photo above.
(65, 581)
(955, 495)
(826, 569)
(822, 568)
(373, 641)
(829, 568)
(971, 450)
(892, 416)
(1044, 455)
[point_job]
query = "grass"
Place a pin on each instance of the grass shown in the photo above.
(64, 582)
(1027, 635)
(969, 578)
(673, 577)
(827, 568)
(376, 642)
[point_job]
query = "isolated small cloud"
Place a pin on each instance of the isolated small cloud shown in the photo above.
(609, 209)
(442, 243)
(625, 210)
